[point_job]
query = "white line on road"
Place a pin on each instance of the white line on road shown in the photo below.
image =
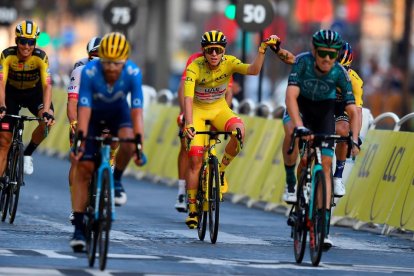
(223, 237)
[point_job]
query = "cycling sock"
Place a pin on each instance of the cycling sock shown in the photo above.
(227, 158)
(31, 147)
(192, 193)
(78, 220)
(340, 165)
(290, 177)
(181, 186)
(118, 174)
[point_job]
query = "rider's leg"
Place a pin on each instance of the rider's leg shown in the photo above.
(5, 142)
(289, 161)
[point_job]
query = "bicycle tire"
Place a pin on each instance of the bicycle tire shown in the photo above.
(300, 228)
(201, 201)
(318, 219)
(214, 198)
(17, 180)
(4, 202)
(105, 218)
(91, 231)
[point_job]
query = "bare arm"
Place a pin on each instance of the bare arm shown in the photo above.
(286, 56)
(188, 110)
(84, 115)
(138, 121)
(229, 96)
(72, 110)
(180, 93)
(2, 96)
(292, 94)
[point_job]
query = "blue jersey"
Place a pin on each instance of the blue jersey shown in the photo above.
(319, 88)
(95, 93)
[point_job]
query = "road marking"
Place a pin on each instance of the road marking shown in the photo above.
(115, 236)
(53, 254)
(223, 237)
(29, 271)
(133, 256)
(8, 253)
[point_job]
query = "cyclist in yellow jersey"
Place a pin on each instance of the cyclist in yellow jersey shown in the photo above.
(24, 82)
(206, 83)
(342, 120)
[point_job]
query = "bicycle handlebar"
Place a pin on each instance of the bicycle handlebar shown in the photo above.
(322, 137)
(108, 140)
(237, 133)
(23, 117)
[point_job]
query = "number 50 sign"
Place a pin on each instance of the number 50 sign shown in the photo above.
(254, 15)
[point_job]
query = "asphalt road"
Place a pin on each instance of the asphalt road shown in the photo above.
(150, 238)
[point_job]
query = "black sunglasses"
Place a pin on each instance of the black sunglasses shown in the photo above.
(210, 50)
(24, 41)
(330, 54)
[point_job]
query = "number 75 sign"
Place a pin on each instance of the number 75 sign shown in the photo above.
(120, 13)
(254, 15)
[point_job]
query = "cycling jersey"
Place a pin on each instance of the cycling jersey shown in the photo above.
(96, 94)
(357, 90)
(191, 59)
(73, 88)
(110, 108)
(208, 86)
(319, 88)
(30, 74)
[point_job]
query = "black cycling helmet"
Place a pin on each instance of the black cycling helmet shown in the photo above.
(213, 37)
(327, 39)
(345, 56)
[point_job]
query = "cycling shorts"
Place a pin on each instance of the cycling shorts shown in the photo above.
(105, 119)
(31, 99)
(220, 116)
(318, 116)
(340, 113)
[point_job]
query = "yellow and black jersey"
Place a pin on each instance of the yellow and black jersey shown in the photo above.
(22, 75)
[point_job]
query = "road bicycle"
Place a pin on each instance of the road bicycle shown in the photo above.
(309, 214)
(209, 193)
(13, 177)
(100, 212)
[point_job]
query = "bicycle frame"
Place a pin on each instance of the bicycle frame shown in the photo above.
(104, 165)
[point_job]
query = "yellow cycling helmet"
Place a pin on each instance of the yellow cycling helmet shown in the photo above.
(114, 46)
(27, 29)
(213, 37)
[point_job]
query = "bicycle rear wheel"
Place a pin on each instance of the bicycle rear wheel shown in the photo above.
(299, 229)
(105, 218)
(318, 218)
(91, 230)
(16, 180)
(201, 201)
(214, 198)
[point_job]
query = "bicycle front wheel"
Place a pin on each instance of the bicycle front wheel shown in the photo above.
(300, 215)
(105, 218)
(318, 218)
(16, 180)
(91, 229)
(201, 202)
(214, 198)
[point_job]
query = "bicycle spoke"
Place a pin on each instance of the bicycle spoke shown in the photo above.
(214, 199)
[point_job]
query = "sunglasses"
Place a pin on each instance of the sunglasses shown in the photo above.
(115, 62)
(330, 54)
(210, 50)
(24, 41)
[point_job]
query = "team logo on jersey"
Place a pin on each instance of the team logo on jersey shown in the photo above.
(188, 79)
(222, 77)
(211, 90)
(91, 72)
(84, 101)
(132, 71)
(137, 103)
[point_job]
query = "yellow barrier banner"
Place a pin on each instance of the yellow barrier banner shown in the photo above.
(368, 169)
(400, 173)
(275, 177)
(241, 164)
(261, 161)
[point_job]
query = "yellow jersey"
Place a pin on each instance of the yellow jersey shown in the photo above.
(22, 75)
(357, 88)
(208, 86)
